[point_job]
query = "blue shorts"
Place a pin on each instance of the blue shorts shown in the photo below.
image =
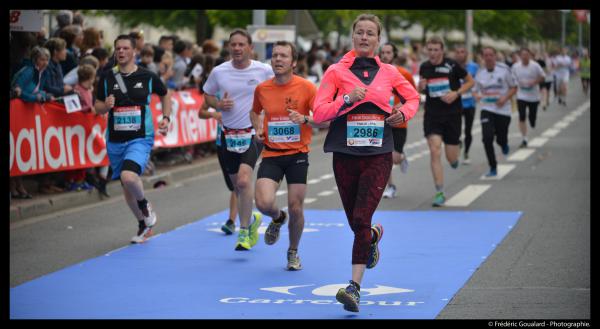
(136, 150)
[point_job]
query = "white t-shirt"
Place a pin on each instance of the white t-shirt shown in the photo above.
(240, 85)
(493, 85)
(525, 75)
(562, 62)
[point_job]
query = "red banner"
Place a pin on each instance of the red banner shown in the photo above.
(45, 138)
(186, 128)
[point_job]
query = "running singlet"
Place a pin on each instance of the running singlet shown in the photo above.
(492, 86)
(240, 85)
(131, 116)
(584, 68)
(441, 79)
(525, 75)
(282, 136)
(467, 98)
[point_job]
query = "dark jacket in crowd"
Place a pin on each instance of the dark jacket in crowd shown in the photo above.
(55, 84)
(70, 63)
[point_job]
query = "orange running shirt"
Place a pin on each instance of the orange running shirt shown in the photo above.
(280, 132)
(410, 79)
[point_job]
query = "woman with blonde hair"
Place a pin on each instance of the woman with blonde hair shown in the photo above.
(355, 96)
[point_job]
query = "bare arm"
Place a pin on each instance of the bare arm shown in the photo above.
(257, 124)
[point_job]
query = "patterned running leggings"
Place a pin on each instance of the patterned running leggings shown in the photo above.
(361, 181)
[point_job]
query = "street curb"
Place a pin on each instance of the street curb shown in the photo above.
(170, 174)
(57, 202)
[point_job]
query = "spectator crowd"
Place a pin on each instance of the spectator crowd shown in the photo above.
(45, 67)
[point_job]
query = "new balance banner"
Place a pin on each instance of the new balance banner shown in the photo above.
(45, 138)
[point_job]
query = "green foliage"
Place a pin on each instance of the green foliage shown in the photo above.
(513, 25)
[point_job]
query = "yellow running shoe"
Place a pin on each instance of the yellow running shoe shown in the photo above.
(254, 228)
(243, 242)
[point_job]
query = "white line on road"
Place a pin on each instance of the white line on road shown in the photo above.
(282, 192)
(551, 132)
(309, 200)
(521, 155)
(502, 170)
(467, 195)
(313, 181)
(326, 193)
(326, 176)
(562, 124)
(537, 142)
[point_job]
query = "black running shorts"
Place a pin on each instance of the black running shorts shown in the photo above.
(294, 167)
(399, 139)
(448, 126)
(233, 160)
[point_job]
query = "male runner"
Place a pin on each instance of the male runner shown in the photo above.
(236, 80)
(528, 75)
(286, 132)
(440, 80)
(229, 227)
(461, 56)
(124, 92)
(388, 54)
(495, 86)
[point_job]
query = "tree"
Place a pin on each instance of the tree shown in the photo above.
(204, 21)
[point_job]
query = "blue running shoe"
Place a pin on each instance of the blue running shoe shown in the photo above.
(439, 199)
(377, 230)
(505, 149)
(349, 297)
(492, 173)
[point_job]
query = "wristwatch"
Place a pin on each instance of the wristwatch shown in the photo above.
(305, 119)
(347, 100)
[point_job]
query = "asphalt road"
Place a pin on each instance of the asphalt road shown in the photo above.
(540, 270)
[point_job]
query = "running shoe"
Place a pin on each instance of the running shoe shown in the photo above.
(492, 173)
(523, 144)
(150, 217)
(377, 231)
(439, 199)
(229, 227)
(454, 164)
(466, 160)
(243, 242)
(390, 191)
(272, 232)
(86, 186)
(404, 165)
(349, 297)
(505, 149)
(144, 232)
(254, 228)
(293, 261)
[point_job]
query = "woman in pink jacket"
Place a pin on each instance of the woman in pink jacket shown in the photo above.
(355, 96)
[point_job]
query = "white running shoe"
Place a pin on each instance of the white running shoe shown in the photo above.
(466, 159)
(150, 218)
(404, 165)
(144, 232)
(390, 192)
